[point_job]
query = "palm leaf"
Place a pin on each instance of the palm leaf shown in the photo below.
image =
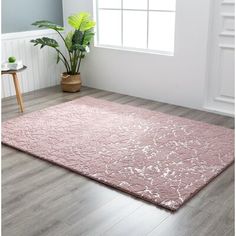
(77, 37)
(87, 25)
(48, 25)
(68, 40)
(45, 41)
(88, 36)
(81, 21)
(79, 47)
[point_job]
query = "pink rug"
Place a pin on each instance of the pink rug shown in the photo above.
(157, 157)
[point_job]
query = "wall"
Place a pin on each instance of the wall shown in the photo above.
(186, 79)
(19, 15)
(42, 70)
(177, 80)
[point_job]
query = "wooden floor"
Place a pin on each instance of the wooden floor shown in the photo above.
(43, 199)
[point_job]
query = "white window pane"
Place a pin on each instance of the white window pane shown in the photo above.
(161, 31)
(135, 29)
(135, 4)
(109, 27)
(109, 3)
(162, 5)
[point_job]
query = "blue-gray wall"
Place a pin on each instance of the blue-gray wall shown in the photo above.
(18, 15)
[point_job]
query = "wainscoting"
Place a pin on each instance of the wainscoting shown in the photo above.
(42, 69)
(220, 84)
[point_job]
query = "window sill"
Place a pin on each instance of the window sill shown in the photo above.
(136, 50)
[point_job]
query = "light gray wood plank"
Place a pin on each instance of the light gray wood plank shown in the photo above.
(187, 221)
(140, 222)
(100, 220)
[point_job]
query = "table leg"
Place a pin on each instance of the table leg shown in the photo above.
(18, 92)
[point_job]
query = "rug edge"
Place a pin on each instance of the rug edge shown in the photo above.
(163, 207)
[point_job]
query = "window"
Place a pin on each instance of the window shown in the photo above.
(140, 25)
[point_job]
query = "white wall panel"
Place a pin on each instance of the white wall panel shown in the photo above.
(42, 70)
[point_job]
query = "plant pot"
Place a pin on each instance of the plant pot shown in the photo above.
(70, 83)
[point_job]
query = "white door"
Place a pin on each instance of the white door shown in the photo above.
(220, 69)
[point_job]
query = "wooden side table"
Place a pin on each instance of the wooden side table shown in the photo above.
(16, 84)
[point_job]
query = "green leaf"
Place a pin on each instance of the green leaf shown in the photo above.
(48, 25)
(87, 25)
(68, 40)
(77, 37)
(78, 47)
(76, 20)
(88, 36)
(45, 41)
(81, 21)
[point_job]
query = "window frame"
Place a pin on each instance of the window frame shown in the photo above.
(124, 48)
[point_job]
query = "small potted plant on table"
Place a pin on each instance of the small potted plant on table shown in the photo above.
(77, 43)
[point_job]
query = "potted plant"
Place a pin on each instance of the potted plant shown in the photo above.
(76, 42)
